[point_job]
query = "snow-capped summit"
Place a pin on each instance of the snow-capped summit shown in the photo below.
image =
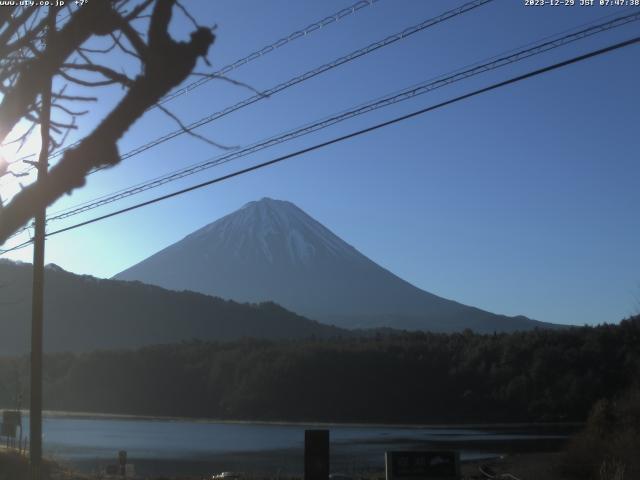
(276, 229)
(272, 250)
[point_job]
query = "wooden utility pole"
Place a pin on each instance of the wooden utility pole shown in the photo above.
(37, 299)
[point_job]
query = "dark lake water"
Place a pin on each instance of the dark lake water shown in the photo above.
(164, 446)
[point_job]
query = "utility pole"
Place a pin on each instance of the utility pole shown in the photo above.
(37, 299)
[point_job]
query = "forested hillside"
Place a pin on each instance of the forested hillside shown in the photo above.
(84, 313)
(417, 377)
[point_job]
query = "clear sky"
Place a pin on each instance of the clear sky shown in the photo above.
(520, 201)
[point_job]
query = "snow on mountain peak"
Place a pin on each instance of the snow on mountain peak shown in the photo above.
(270, 250)
(268, 224)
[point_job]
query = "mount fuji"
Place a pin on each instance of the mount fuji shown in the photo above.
(272, 250)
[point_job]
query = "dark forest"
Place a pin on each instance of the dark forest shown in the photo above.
(541, 375)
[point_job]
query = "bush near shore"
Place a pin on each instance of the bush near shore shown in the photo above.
(609, 447)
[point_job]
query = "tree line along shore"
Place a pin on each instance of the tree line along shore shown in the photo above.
(571, 375)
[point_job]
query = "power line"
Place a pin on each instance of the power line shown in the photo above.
(291, 82)
(357, 133)
(16, 247)
(449, 14)
(459, 74)
(359, 5)
(551, 41)
(295, 80)
(405, 94)
(271, 47)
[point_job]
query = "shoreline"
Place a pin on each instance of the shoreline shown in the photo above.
(151, 418)
(523, 465)
(288, 463)
(534, 464)
(357, 457)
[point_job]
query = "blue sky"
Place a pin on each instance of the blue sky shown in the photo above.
(520, 201)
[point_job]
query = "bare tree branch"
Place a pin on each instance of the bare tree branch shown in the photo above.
(134, 39)
(117, 41)
(190, 132)
(166, 64)
(186, 13)
(110, 74)
(237, 83)
(14, 24)
(85, 83)
(135, 13)
(93, 18)
(72, 113)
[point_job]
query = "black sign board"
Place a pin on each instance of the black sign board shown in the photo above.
(316, 454)
(422, 465)
(11, 420)
(122, 460)
(111, 470)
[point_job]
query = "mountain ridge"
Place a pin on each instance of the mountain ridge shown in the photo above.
(84, 313)
(272, 250)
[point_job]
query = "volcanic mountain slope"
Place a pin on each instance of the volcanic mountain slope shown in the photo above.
(272, 250)
(84, 313)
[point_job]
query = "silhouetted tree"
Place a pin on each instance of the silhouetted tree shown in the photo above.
(27, 61)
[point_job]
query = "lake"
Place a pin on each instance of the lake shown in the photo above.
(167, 446)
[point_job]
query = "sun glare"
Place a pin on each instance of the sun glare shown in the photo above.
(13, 155)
